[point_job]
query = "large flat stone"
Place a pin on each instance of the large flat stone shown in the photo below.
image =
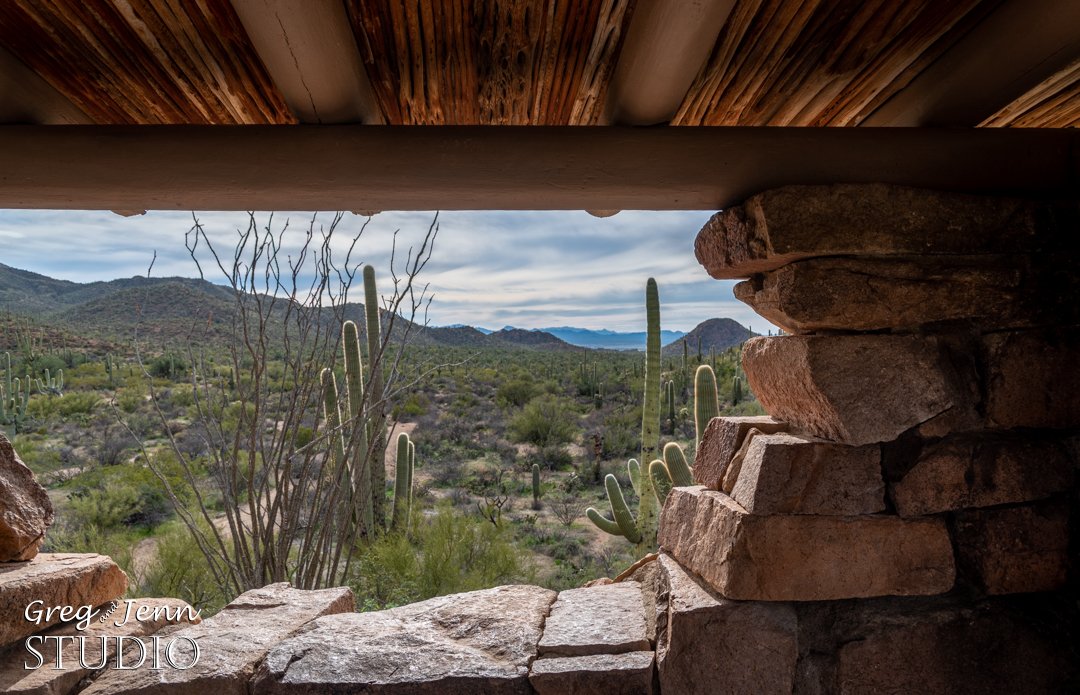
(776, 227)
(630, 673)
(477, 642)
(58, 674)
(722, 438)
(803, 558)
(789, 474)
(231, 643)
(871, 294)
(716, 646)
(857, 389)
(981, 470)
(931, 646)
(608, 619)
(25, 509)
(55, 579)
(1033, 379)
(1014, 549)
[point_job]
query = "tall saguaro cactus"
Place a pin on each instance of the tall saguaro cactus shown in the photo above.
(362, 458)
(13, 397)
(404, 464)
(642, 530)
(374, 385)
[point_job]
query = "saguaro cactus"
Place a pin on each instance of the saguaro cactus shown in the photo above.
(362, 459)
(404, 463)
(706, 401)
(51, 385)
(14, 397)
(642, 530)
(374, 386)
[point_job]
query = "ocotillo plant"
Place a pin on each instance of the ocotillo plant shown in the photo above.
(706, 401)
(642, 530)
(404, 464)
(536, 486)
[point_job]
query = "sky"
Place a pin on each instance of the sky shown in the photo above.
(488, 268)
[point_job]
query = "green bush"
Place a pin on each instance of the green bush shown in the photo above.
(516, 392)
(545, 421)
(179, 569)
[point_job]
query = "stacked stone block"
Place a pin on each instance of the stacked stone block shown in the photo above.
(917, 470)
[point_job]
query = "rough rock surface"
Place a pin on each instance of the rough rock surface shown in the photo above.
(477, 642)
(968, 471)
(630, 673)
(607, 619)
(56, 579)
(25, 509)
(788, 474)
(776, 227)
(936, 646)
(1014, 549)
(1033, 379)
(803, 558)
(872, 294)
(856, 389)
(231, 643)
(49, 680)
(715, 646)
(721, 440)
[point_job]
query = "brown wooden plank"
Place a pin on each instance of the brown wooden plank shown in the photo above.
(504, 167)
(143, 61)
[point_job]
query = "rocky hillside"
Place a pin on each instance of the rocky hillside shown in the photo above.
(714, 334)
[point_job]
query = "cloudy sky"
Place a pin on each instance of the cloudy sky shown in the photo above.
(526, 269)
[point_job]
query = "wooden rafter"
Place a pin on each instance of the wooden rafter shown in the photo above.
(1053, 103)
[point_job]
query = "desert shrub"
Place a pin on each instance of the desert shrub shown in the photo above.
(76, 403)
(516, 392)
(179, 569)
(622, 433)
(448, 553)
(545, 421)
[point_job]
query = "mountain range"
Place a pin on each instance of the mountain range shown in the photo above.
(173, 310)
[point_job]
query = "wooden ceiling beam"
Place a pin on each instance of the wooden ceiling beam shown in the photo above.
(26, 98)
(1021, 43)
(455, 168)
(309, 50)
(666, 46)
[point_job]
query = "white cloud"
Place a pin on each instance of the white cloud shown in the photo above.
(492, 268)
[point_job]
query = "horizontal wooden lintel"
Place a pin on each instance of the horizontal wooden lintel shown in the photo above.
(457, 168)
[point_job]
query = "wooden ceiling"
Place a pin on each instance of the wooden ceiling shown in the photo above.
(987, 63)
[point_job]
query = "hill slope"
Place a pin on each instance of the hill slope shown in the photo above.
(714, 334)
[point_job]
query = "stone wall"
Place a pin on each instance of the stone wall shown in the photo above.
(911, 496)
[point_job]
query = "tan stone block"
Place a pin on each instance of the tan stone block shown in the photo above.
(25, 509)
(476, 642)
(776, 227)
(231, 643)
(54, 675)
(872, 294)
(803, 558)
(1014, 549)
(607, 619)
(1033, 379)
(789, 474)
(708, 644)
(981, 470)
(722, 438)
(630, 673)
(57, 580)
(856, 389)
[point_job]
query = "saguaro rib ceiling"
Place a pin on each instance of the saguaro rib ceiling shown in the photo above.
(815, 63)
(490, 62)
(145, 62)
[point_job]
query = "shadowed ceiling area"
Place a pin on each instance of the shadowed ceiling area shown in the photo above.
(542, 62)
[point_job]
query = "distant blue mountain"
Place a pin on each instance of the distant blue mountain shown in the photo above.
(603, 338)
(485, 331)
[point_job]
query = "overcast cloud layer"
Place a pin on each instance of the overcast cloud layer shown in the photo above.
(526, 269)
